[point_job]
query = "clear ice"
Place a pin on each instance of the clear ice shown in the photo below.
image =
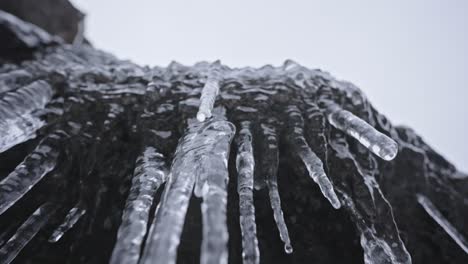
(211, 186)
(150, 173)
(29, 172)
(245, 165)
(313, 163)
(18, 113)
(70, 220)
(209, 92)
(380, 144)
(270, 164)
(26, 232)
(204, 144)
(435, 214)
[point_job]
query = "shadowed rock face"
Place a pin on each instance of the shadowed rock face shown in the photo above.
(102, 160)
(58, 17)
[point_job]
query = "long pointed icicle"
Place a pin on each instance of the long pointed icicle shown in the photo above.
(150, 173)
(245, 164)
(433, 212)
(271, 160)
(17, 120)
(313, 163)
(209, 92)
(26, 232)
(70, 220)
(380, 144)
(29, 172)
(211, 185)
(164, 238)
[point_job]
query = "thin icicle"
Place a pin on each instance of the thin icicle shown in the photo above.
(26, 232)
(245, 164)
(70, 220)
(271, 160)
(150, 173)
(29, 172)
(313, 163)
(163, 240)
(432, 211)
(17, 120)
(209, 92)
(380, 144)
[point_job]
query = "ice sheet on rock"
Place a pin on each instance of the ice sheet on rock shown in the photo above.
(270, 164)
(26, 232)
(150, 173)
(209, 92)
(17, 120)
(245, 165)
(29, 172)
(435, 214)
(380, 144)
(313, 163)
(197, 143)
(70, 220)
(11, 80)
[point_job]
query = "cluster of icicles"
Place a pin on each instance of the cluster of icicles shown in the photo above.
(199, 167)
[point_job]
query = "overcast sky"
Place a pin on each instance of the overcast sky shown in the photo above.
(409, 57)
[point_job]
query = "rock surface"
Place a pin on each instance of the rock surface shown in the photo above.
(269, 165)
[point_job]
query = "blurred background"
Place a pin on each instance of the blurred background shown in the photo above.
(409, 57)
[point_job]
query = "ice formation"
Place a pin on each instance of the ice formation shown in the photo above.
(270, 163)
(26, 232)
(150, 174)
(209, 92)
(201, 162)
(380, 144)
(86, 138)
(19, 109)
(70, 220)
(245, 165)
(313, 163)
(27, 174)
(431, 210)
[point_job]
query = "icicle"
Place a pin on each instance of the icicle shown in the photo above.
(209, 92)
(245, 164)
(17, 120)
(432, 211)
(29, 172)
(313, 163)
(271, 160)
(150, 173)
(211, 185)
(26, 232)
(70, 220)
(380, 144)
(164, 237)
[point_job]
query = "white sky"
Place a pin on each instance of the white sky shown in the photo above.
(409, 57)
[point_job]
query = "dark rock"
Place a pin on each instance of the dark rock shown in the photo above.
(58, 17)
